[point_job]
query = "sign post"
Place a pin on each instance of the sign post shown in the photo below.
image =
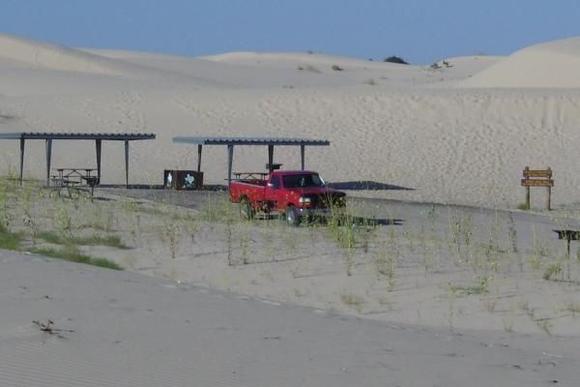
(538, 178)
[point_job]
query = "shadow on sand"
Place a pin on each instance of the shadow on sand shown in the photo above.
(359, 221)
(367, 185)
(206, 187)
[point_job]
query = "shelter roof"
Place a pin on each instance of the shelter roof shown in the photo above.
(249, 141)
(76, 136)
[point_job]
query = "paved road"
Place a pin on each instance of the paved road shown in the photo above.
(530, 228)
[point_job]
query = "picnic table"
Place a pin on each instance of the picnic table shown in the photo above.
(75, 180)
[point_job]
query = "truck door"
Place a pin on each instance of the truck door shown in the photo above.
(273, 192)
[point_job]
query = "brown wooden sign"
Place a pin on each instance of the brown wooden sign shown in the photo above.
(546, 173)
(537, 183)
(538, 178)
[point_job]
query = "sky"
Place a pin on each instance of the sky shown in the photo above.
(420, 31)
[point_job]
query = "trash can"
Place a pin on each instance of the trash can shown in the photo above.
(180, 179)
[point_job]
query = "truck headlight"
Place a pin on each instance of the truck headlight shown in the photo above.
(305, 200)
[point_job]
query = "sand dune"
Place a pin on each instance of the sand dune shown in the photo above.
(547, 65)
(51, 56)
(407, 126)
(123, 329)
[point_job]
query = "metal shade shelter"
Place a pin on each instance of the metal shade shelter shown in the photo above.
(230, 142)
(48, 137)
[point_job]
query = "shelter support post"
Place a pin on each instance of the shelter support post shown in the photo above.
(199, 149)
(230, 162)
(98, 145)
(127, 163)
(270, 158)
(48, 159)
(528, 201)
(21, 159)
(302, 151)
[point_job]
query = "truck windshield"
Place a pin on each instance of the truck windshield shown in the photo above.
(302, 180)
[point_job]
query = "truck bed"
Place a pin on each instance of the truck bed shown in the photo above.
(257, 182)
(253, 189)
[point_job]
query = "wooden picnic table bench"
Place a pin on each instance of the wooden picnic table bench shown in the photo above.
(75, 179)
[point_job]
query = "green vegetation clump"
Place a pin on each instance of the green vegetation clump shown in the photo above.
(71, 253)
(9, 240)
(523, 207)
(94, 240)
(552, 272)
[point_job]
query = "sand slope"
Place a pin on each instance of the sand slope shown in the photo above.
(548, 65)
(29, 53)
(406, 126)
(123, 329)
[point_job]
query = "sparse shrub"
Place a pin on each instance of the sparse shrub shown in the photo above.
(396, 59)
(481, 286)
(94, 240)
(440, 65)
(219, 211)
(523, 207)
(72, 253)
(309, 68)
(9, 240)
(63, 222)
(4, 215)
(370, 82)
(172, 234)
(512, 233)
(352, 300)
(337, 68)
(508, 324)
(386, 266)
(552, 271)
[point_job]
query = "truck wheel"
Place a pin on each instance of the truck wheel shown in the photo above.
(246, 210)
(292, 216)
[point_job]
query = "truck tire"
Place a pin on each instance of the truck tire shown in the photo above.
(246, 210)
(292, 216)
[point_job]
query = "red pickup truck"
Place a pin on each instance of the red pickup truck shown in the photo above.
(296, 194)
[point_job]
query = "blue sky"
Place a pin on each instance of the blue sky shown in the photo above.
(421, 31)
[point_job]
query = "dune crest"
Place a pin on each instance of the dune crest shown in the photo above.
(52, 56)
(548, 65)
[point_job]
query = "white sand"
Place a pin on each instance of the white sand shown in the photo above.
(547, 65)
(123, 329)
(460, 133)
(457, 134)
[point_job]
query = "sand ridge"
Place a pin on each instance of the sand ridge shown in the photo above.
(405, 126)
(546, 65)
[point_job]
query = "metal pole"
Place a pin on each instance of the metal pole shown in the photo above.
(302, 151)
(21, 158)
(98, 145)
(270, 158)
(48, 159)
(199, 147)
(127, 163)
(230, 162)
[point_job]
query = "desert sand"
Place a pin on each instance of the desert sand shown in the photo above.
(460, 133)
(453, 287)
(208, 299)
(123, 329)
